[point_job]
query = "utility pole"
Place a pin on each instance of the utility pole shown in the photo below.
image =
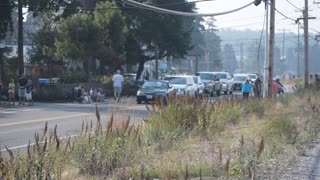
(20, 39)
(283, 58)
(298, 73)
(241, 57)
(271, 47)
(157, 63)
(306, 44)
(306, 40)
(266, 53)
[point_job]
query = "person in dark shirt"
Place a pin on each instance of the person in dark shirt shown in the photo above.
(28, 94)
(257, 87)
(22, 89)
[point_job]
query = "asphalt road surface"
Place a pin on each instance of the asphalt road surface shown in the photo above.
(18, 124)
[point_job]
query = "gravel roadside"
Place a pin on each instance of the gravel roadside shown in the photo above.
(307, 165)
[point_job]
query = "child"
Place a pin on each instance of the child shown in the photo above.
(11, 92)
(29, 88)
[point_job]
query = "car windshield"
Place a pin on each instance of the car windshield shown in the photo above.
(240, 78)
(252, 76)
(222, 76)
(206, 76)
(179, 80)
(168, 78)
(154, 84)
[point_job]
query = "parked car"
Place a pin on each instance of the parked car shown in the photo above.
(131, 78)
(211, 81)
(238, 80)
(151, 90)
(253, 77)
(199, 84)
(226, 82)
(182, 84)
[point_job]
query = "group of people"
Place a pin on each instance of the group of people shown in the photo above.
(93, 95)
(24, 88)
(257, 87)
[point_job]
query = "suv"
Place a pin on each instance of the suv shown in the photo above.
(211, 82)
(182, 84)
(226, 82)
(238, 80)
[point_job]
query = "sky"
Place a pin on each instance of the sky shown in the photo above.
(253, 16)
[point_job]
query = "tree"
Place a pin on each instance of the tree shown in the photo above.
(163, 34)
(78, 39)
(87, 36)
(213, 46)
(6, 7)
(230, 62)
(113, 30)
(42, 53)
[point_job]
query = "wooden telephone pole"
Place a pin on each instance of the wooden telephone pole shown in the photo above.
(271, 47)
(306, 44)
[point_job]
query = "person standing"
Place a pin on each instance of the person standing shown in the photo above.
(117, 85)
(246, 89)
(22, 89)
(257, 87)
(28, 95)
(275, 88)
(11, 91)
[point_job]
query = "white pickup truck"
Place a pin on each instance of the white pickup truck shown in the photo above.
(211, 81)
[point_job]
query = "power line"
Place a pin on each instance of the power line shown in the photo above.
(167, 11)
(294, 5)
(259, 46)
(285, 16)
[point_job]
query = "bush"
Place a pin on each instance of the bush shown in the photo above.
(100, 153)
(73, 77)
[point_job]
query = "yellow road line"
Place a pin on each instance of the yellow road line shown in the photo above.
(45, 119)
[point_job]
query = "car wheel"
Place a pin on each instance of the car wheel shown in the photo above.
(212, 94)
(231, 92)
(138, 101)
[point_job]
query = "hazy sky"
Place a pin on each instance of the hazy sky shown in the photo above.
(253, 16)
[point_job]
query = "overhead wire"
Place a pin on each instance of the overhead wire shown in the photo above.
(259, 46)
(180, 13)
(294, 5)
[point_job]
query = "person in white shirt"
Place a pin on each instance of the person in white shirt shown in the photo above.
(117, 85)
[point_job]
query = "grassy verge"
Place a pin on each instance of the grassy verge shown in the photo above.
(189, 138)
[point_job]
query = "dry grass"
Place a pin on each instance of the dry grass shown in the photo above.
(189, 138)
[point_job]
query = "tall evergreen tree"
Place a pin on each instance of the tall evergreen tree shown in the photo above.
(230, 62)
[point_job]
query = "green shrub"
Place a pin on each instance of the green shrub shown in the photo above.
(100, 153)
(45, 159)
(73, 77)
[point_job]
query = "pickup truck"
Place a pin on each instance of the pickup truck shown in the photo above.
(211, 81)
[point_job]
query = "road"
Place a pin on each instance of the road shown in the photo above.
(18, 124)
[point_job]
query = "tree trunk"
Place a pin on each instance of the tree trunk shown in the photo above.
(2, 65)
